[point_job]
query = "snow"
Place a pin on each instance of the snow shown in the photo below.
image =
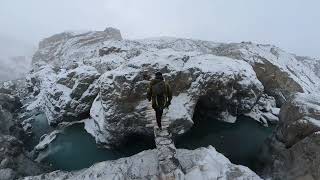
(228, 117)
(179, 108)
(313, 121)
(47, 77)
(275, 111)
(91, 126)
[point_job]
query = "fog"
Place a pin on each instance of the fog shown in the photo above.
(290, 24)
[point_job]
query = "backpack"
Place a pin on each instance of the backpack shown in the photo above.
(159, 89)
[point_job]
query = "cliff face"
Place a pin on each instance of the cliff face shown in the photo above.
(99, 77)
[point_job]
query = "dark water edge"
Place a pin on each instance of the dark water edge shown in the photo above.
(240, 142)
(75, 149)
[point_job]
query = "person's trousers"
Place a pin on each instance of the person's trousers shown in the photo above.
(159, 112)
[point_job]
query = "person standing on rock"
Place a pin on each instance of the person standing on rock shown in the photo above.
(159, 92)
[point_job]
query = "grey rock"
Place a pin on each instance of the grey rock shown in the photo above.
(14, 162)
(9, 102)
(7, 174)
(8, 105)
(113, 32)
(295, 145)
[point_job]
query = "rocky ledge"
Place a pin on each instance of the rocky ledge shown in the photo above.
(202, 163)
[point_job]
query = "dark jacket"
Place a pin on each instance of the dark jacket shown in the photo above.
(159, 102)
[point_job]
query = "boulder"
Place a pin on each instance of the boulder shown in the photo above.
(265, 110)
(299, 118)
(294, 146)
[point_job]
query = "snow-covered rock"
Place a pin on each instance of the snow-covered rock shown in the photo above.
(46, 139)
(71, 96)
(202, 163)
(265, 110)
(228, 85)
(227, 79)
(299, 117)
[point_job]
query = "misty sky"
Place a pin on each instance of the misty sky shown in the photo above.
(293, 25)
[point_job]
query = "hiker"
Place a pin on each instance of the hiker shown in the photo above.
(160, 93)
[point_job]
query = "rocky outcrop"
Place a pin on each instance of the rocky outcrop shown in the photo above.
(57, 45)
(203, 163)
(71, 96)
(13, 161)
(265, 110)
(296, 143)
(8, 105)
(281, 73)
(298, 118)
(14, 87)
(230, 88)
(223, 78)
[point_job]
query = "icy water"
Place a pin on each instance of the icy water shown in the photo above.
(240, 142)
(76, 149)
(40, 127)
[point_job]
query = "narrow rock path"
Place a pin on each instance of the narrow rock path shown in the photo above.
(169, 165)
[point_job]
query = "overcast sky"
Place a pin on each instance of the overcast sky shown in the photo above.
(293, 25)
